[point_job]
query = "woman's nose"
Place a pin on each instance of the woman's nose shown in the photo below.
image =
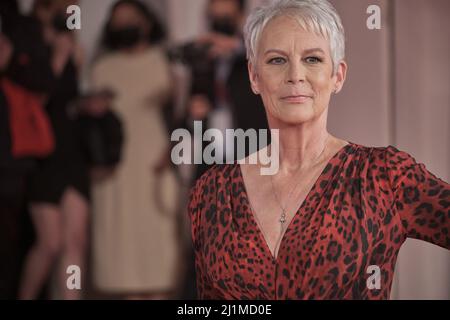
(295, 73)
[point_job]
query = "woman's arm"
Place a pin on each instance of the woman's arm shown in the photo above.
(421, 199)
(194, 209)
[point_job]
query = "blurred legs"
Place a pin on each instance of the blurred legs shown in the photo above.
(74, 210)
(47, 222)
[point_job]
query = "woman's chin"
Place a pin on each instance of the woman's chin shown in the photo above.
(295, 116)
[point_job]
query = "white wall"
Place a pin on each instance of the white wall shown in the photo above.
(93, 17)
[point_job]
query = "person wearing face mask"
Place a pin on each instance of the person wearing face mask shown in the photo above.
(124, 37)
(220, 94)
(134, 243)
(220, 86)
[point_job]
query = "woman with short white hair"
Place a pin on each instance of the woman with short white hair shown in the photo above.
(336, 212)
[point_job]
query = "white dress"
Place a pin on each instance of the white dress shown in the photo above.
(134, 243)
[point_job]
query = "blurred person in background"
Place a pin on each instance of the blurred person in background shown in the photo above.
(134, 245)
(220, 83)
(59, 187)
(25, 80)
(220, 94)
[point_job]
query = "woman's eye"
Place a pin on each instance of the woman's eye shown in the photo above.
(277, 60)
(313, 60)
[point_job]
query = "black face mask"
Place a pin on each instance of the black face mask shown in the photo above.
(59, 22)
(224, 25)
(124, 38)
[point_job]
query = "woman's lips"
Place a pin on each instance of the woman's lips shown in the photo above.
(296, 99)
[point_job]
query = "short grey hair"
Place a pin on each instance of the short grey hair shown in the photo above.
(317, 16)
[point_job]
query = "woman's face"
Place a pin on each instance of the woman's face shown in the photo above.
(126, 16)
(293, 72)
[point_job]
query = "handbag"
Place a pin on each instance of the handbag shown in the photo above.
(30, 128)
(102, 138)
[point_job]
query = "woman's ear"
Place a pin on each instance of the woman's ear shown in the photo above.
(341, 75)
(253, 76)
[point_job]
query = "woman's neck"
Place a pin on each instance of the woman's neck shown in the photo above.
(138, 48)
(302, 146)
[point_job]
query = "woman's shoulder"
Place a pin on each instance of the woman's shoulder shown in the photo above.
(388, 155)
(202, 196)
(154, 54)
(215, 175)
(210, 183)
(385, 163)
(156, 50)
(105, 60)
(113, 57)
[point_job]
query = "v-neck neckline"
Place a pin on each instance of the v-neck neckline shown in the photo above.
(297, 212)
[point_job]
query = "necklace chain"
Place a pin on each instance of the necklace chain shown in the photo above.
(282, 219)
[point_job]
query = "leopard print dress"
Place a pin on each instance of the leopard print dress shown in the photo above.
(361, 209)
